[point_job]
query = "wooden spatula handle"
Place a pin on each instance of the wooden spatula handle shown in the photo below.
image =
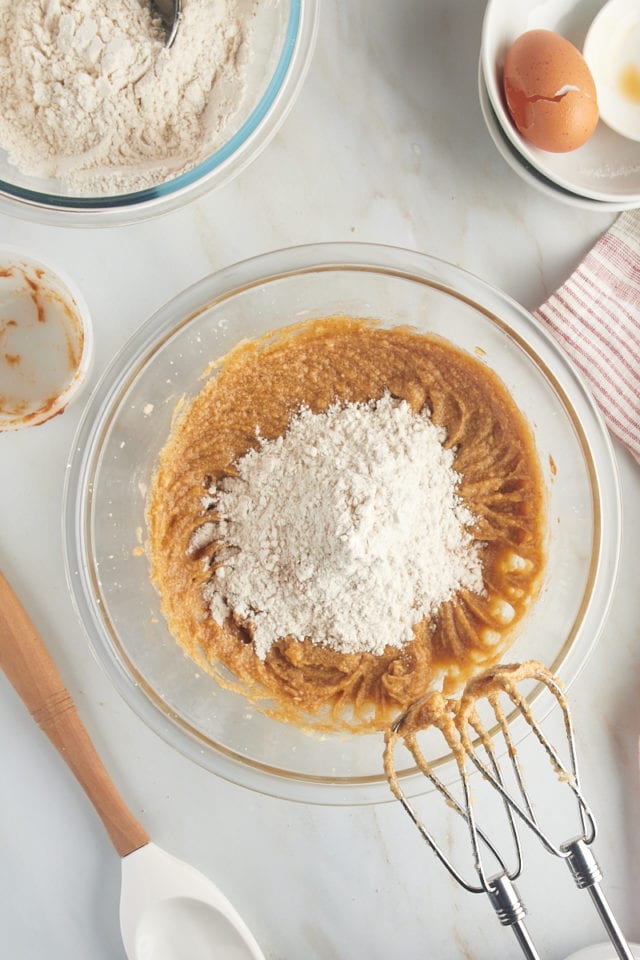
(33, 674)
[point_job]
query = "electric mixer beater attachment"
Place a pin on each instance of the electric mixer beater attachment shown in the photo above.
(467, 737)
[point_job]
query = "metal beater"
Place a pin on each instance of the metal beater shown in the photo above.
(467, 736)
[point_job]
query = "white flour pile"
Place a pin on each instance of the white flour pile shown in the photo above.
(347, 530)
(91, 97)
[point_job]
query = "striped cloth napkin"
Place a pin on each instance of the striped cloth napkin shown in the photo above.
(595, 316)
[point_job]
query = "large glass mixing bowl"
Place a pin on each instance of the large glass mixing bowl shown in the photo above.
(283, 39)
(128, 420)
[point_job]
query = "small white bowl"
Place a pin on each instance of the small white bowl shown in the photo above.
(612, 52)
(529, 174)
(607, 167)
(46, 340)
(601, 951)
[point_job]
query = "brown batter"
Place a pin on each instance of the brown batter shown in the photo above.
(261, 384)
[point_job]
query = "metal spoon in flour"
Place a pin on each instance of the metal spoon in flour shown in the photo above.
(170, 12)
(168, 910)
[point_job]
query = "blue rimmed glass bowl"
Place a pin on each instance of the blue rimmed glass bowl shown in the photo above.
(283, 41)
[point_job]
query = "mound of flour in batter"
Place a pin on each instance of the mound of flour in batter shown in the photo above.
(347, 530)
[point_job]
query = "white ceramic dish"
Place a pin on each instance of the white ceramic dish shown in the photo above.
(612, 51)
(528, 173)
(601, 951)
(607, 167)
(46, 340)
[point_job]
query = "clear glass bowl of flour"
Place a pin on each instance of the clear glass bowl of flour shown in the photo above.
(128, 420)
(280, 44)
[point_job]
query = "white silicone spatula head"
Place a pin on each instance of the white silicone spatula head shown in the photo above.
(168, 911)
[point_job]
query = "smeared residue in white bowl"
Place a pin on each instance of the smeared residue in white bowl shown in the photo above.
(45, 342)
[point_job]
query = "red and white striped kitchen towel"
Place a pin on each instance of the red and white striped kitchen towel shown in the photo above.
(595, 316)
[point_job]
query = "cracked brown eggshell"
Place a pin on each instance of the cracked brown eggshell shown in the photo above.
(550, 92)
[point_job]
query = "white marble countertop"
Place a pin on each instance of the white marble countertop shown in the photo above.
(386, 143)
